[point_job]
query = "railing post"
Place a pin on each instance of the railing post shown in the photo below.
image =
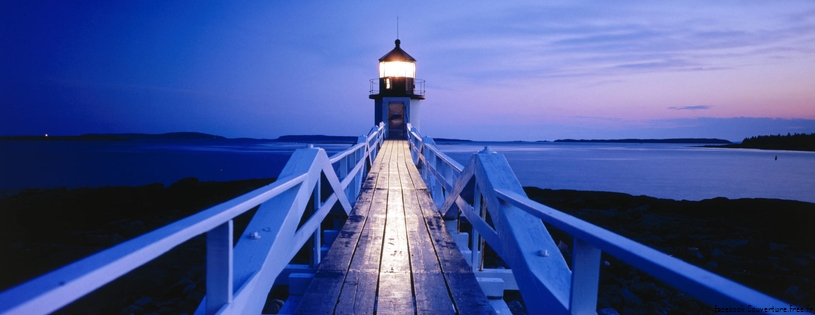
(475, 238)
(219, 267)
(585, 278)
(316, 242)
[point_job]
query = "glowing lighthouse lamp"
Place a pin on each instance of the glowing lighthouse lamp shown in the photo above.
(396, 95)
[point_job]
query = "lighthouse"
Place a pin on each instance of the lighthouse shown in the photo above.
(397, 93)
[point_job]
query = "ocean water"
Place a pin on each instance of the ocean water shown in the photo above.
(73, 164)
(672, 171)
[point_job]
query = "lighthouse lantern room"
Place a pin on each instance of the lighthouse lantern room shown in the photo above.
(397, 93)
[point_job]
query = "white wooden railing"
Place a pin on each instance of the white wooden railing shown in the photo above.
(488, 186)
(238, 278)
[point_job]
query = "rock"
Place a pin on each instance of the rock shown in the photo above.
(717, 252)
(131, 309)
(800, 262)
(272, 306)
(563, 247)
(143, 301)
(777, 247)
(516, 307)
(795, 294)
(686, 304)
(104, 240)
(647, 290)
(180, 286)
(629, 298)
(132, 228)
(711, 265)
(188, 289)
(607, 311)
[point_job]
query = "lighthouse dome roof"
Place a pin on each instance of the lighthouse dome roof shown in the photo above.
(397, 54)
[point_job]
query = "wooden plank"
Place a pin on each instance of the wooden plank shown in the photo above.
(450, 258)
(369, 248)
(398, 256)
(392, 298)
(358, 293)
(422, 255)
(375, 169)
(319, 297)
(467, 295)
(393, 295)
(430, 286)
(431, 293)
(395, 255)
(325, 290)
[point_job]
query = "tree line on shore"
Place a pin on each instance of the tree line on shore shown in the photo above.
(798, 142)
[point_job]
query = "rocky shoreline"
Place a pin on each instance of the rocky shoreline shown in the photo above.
(766, 244)
(46, 229)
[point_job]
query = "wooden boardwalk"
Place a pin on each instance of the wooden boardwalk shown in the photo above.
(394, 254)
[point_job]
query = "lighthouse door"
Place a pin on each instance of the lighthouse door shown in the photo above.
(396, 120)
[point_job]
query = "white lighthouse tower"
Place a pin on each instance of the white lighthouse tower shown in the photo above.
(399, 93)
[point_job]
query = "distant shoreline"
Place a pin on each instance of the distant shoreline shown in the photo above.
(790, 142)
(674, 140)
(187, 136)
(320, 138)
(768, 148)
(670, 141)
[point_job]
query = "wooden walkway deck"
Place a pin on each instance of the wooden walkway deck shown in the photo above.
(394, 254)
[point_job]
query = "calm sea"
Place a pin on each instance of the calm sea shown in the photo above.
(660, 170)
(53, 164)
(674, 171)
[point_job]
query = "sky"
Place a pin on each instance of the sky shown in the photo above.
(525, 70)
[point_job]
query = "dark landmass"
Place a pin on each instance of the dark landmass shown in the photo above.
(119, 137)
(42, 230)
(677, 140)
(450, 140)
(792, 142)
(182, 136)
(463, 141)
(317, 139)
(766, 244)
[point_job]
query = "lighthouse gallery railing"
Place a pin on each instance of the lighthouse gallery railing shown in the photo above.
(239, 278)
(488, 186)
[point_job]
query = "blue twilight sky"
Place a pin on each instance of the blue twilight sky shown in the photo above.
(494, 71)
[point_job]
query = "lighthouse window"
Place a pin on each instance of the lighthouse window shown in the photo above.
(387, 83)
(397, 69)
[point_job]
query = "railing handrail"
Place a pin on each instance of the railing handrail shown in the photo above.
(579, 294)
(706, 286)
(62, 286)
(419, 87)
